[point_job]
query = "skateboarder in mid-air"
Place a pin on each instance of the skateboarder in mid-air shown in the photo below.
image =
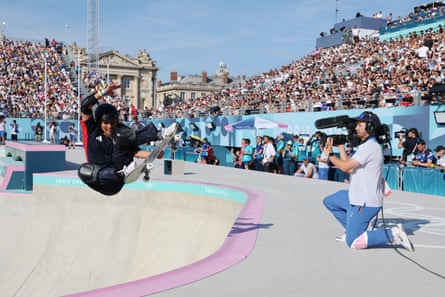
(110, 146)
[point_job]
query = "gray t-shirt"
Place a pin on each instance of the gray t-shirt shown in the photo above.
(367, 180)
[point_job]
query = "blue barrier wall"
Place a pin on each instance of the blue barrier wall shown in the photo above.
(302, 123)
(411, 179)
(421, 117)
(423, 180)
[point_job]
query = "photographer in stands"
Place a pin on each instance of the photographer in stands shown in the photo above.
(408, 144)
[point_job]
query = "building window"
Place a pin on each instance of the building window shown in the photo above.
(203, 95)
(126, 81)
(193, 96)
(126, 99)
(182, 95)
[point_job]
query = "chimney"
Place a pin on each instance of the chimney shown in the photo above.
(204, 77)
(225, 78)
(173, 76)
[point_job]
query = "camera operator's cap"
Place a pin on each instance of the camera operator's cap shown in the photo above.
(439, 148)
(369, 117)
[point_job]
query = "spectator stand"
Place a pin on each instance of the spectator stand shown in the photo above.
(367, 26)
(422, 18)
(404, 30)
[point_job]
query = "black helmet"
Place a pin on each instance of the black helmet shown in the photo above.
(106, 112)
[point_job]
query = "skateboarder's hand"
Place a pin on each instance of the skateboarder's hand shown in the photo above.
(111, 87)
(142, 154)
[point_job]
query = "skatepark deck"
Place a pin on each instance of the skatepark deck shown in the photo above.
(60, 240)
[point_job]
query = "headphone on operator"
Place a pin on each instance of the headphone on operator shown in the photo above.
(370, 127)
(371, 120)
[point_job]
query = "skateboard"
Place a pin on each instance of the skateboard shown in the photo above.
(147, 165)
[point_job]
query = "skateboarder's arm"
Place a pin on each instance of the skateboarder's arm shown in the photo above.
(87, 104)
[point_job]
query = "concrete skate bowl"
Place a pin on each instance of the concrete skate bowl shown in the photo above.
(67, 240)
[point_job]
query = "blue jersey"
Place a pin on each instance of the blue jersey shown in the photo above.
(279, 147)
(301, 152)
(259, 151)
(424, 157)
(204, 149)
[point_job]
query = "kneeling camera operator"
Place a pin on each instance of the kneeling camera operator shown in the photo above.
(356, 207)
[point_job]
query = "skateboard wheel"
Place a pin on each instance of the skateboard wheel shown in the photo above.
(177, 137)
(149, 166)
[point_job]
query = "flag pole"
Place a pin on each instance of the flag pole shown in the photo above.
(45, 94)
(79, 142)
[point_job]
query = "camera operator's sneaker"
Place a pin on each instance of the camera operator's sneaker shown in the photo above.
(400, 237)
(341, 238)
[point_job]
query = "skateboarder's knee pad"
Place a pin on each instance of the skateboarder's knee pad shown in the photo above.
(89, 173)
(125, 137)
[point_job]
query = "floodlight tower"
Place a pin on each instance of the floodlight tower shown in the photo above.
(336, 11)
(93, 36)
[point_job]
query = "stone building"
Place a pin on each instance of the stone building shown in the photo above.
(189, 87)
(136, 75)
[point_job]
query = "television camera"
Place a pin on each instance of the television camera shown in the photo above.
(381, 132)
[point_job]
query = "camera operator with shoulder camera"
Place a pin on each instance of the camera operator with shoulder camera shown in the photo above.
(408, 143)
(356, 207)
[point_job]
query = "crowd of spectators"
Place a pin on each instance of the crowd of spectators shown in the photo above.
(22, 81)
(420, 13)
(304, 157)
(365, 74)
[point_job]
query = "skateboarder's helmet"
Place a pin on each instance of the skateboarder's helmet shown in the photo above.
(106, 112)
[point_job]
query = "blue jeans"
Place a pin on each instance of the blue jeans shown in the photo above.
(323, 173)
(288, 166)
(355, 220)
(258, 165)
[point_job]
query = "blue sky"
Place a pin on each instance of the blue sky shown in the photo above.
(189, 36)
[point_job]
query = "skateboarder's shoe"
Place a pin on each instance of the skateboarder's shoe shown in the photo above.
(128, 169)
(169, 131)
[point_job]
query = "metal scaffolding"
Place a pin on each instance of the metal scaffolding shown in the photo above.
(93, 36)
